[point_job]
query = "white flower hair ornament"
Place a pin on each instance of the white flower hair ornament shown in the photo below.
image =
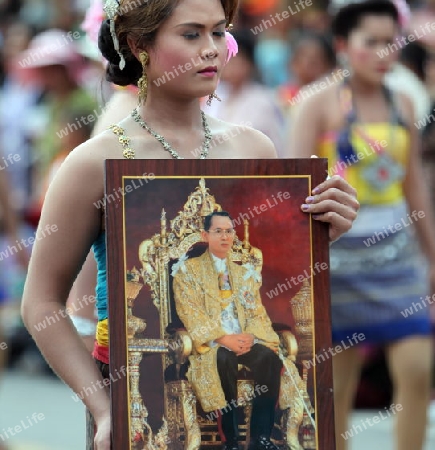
(112, 8)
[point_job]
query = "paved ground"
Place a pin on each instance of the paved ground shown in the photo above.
(61, 421)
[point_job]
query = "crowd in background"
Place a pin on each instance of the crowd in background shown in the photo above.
(48, 105)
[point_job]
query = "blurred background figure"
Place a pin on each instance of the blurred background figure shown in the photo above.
(316, 18)
(53, 63)
(272, 50)
(49, 95)
(10, 230)
(346, 123)
(423, 15)
(409, 75)
(312, 57)
(18, 102)
(423, 57)
(18, 113)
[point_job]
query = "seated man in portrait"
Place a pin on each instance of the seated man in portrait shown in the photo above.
(219, 303)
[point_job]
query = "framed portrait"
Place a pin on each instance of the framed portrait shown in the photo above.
(168, 304)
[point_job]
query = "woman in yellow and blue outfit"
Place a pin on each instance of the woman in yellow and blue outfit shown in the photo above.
(380, 287)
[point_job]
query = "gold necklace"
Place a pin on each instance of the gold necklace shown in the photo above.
(166, 145)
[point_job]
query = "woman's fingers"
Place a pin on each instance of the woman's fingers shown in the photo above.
(334, 202)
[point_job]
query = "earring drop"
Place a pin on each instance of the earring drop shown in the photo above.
(143, 81)
(211, 97)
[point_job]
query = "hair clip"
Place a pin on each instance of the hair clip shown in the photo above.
(112, 9)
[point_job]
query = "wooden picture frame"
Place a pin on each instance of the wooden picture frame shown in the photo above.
(154, 215)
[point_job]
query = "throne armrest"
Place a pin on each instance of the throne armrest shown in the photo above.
(288, 344)
(181, 346)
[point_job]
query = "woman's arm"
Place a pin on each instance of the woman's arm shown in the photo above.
(69, 225)
(305, 128)
(119, 106)
(333, 201)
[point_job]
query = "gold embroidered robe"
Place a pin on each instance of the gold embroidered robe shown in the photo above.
(198, 302)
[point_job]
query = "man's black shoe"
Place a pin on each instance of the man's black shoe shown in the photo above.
(231, 445)
(262, 443)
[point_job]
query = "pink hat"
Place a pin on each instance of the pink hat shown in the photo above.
(93, 18)
(51, 47)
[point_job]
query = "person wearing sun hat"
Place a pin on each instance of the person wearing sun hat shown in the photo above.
(54, 63)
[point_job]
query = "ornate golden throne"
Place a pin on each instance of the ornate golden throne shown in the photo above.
(184, 426)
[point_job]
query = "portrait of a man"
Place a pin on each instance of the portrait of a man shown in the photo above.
(219, 303)
(222, 315)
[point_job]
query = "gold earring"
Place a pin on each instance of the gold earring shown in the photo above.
(211, 97)
(143, 80)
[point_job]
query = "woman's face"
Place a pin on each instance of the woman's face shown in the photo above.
(370, 49)
(309, 63)
(178, 61)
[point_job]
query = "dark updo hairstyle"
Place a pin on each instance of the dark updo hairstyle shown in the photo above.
(140, 20)
(349, 17)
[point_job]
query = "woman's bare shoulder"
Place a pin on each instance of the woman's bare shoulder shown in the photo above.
(316, 101)
(243, 140)
(103, 146)
(318, 112)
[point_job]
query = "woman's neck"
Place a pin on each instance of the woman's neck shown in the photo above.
(171, 113)
(363, 88)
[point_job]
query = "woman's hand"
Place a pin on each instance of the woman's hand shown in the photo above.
(102, 436)
(334, 201)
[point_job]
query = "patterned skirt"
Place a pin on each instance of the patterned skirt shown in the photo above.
(379, 287)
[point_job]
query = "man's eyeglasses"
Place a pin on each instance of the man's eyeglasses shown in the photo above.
(220, 232)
